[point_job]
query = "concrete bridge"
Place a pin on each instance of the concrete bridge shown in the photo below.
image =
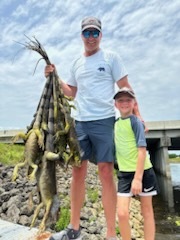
(161, 137)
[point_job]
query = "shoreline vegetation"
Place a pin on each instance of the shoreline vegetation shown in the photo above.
(174, 160)
(10, 154)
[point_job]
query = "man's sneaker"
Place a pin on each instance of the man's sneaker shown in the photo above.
(68, 234)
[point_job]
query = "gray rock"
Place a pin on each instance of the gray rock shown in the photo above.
(15, 205)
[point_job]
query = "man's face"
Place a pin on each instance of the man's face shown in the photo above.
(91, 38)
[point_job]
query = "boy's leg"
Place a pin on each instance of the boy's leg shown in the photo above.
(108, 196)
(123, 217)
(77, 193)
(148, 215)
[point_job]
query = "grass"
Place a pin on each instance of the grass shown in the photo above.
(64, 219)
(174, 160)
(10, 154)
(92, 195)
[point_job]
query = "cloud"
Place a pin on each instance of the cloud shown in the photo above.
(144, 33)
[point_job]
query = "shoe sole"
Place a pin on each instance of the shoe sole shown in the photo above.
(63, 236)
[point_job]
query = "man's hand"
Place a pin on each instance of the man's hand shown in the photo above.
(136, 112)
(48, 69)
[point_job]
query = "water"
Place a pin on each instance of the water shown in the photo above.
(165, 221)
(175, 173)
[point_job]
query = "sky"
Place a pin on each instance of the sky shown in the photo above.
(146, 35)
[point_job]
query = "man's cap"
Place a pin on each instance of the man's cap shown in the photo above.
(91, 22)
(124, 90)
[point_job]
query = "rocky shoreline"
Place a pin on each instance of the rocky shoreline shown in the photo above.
(14, 203)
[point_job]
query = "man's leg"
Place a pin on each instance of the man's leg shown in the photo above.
(77, 193)
(77, 199)
(108, 196)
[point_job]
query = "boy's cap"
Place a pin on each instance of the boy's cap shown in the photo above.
(124, 90)
(91, 22)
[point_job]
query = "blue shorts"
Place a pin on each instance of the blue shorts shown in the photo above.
(96, 139)
(149, 183)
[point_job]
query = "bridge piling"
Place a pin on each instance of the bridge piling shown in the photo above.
(161, 165)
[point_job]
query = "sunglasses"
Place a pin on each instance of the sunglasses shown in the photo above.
(88, 33)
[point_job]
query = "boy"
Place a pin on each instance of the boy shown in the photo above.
(136, 175)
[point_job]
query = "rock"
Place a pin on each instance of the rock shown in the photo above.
(15, 205)
(13, 213)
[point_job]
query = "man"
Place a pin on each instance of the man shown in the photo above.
(93, 76)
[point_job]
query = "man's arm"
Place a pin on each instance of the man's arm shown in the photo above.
(68, 90)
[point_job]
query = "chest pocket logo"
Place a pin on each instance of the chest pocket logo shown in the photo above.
(101, 69)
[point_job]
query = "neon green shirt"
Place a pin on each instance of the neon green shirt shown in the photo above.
(129, 136)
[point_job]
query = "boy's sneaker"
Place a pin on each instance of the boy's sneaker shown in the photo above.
(111, 238)
(68, 234)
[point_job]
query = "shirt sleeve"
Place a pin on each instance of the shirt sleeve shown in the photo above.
(138, 129)
(118, 68)
(72, 80)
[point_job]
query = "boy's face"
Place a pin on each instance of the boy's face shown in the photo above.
(125, 104)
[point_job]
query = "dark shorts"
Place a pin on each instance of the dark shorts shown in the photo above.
(149, 183)
(96, 140)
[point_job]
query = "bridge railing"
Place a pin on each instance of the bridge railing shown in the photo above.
(6, 136)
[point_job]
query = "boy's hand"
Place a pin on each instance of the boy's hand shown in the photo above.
(136, 186)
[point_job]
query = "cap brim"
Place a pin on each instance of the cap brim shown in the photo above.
(124, 92)
(91, 26)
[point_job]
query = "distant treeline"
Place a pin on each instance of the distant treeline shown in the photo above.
(173, 155)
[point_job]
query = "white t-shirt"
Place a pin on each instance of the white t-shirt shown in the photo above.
(95, 78)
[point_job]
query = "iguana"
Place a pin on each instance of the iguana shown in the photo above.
(47, 189)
